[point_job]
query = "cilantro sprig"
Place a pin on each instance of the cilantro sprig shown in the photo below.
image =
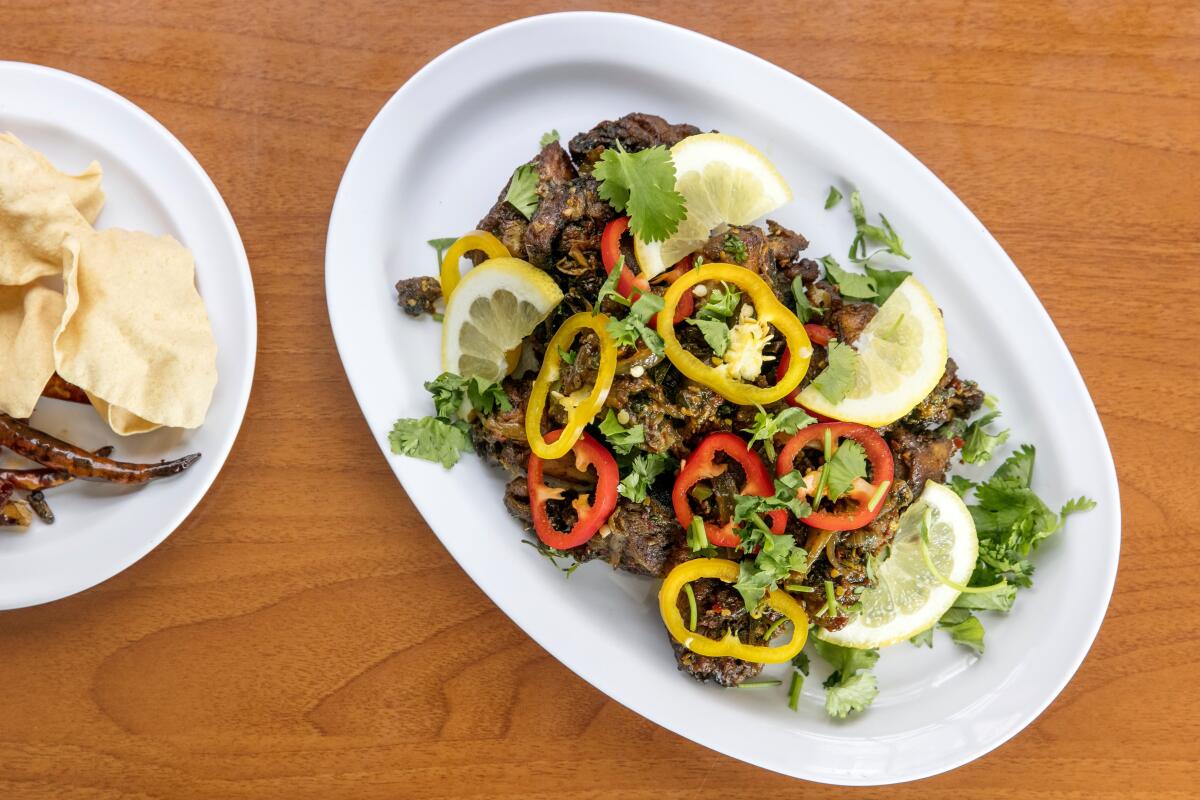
(850, 687)
(837, 379)
(622, 438)
(522, 190)
(643, 471)
(767, 426)
(627, 330)
(642, 184)
(889, 241)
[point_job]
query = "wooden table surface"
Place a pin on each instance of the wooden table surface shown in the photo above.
(260, 653)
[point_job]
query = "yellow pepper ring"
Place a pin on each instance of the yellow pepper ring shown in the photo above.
(578, 414)
(471, 240)
(727, 571)
(767, 308)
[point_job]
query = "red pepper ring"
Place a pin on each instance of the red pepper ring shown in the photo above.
(819, 334)
(701, 465)
(592, 515)
(879, 456)
(631, 287)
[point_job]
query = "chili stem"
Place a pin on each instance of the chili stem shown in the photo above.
(937, 574)
(691, 595)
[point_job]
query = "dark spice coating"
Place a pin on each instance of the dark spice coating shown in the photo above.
(563, 238)
(418, 296)
(634, 132)
(54, 453)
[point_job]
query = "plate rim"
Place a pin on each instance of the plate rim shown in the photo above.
(241, 265)
(343, 341)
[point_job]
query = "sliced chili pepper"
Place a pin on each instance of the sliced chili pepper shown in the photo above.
(580, 411)
(819, 334)
(724, 570)
(701, 465)
(482, 241)
(593, 512)
(630, 286)
(868, 495)
(767, 308)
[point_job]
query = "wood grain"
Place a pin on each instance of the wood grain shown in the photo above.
(258, 653)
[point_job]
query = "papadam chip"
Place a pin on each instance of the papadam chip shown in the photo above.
(37, 212)
(29, 316)
(135, 334)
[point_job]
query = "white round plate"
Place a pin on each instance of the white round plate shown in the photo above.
(152, 184)
(430, 166)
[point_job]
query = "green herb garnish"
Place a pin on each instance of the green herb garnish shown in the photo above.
(642, 184)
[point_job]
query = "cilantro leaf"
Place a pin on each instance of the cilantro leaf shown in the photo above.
(643, 470)
(837, 379)
(767, 426)
(922, 639)
(960, 485)
(854, 694)
(886, 236)
(849, 462)
(735, 248)
(999, 599)
(621, 438)
(450, 391)
(522, 190)
(567, 356)
(886, 281)
(805, 310)
(833, 198)
(721, 303)
(626, 331)
(978, 444)
(609, 287)
(850, 284)
(441, 246)
(850, 687)
(431, 439)
(778, 557)
(1075, 505)
(964, 628)
(549, 137)
(716, 333)
(643, 185)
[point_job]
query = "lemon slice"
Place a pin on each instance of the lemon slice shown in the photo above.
(724, 181)
(495, 306)
(902, 356)
(907, 598)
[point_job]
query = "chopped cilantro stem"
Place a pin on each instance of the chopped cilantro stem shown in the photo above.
(925, 523)
(828, 444)
(797, 587)
(879, 493)
(691, 596)
(774, 627)
(794, 689)
(758, 684)
(831, 603)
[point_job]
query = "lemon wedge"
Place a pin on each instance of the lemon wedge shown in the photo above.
(907, 598)
(491, 311)
(902, 356)
(724, 181)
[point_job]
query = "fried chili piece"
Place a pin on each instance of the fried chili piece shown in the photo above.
(37, 501)
(79, 463)
(60, 389)
(33, 480)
